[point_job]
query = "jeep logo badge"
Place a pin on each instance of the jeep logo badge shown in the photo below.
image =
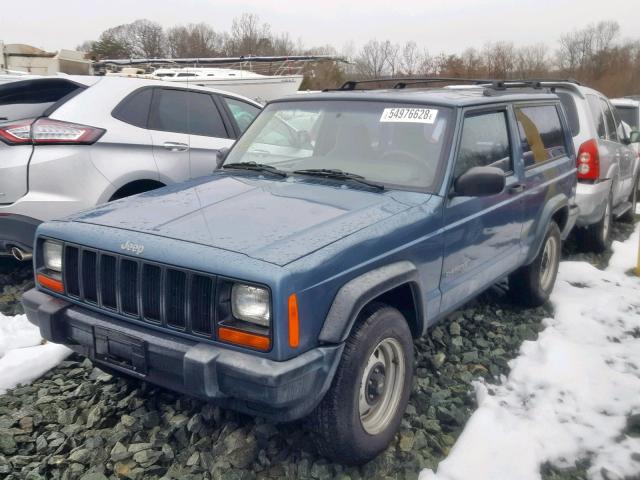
(132, 247)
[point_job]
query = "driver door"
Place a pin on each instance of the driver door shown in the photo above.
(482, 234)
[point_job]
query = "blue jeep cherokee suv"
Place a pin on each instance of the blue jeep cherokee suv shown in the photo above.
(341, 225)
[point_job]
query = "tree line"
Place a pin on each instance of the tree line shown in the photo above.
(595, 55)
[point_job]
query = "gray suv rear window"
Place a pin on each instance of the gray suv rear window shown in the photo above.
(33, 98)
(541, 134)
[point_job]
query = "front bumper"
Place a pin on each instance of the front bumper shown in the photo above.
(281, 391)
(17, 231)
(591, 198)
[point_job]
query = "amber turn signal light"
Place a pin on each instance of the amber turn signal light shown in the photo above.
(50, 283)
(294, 324)
(230, 335)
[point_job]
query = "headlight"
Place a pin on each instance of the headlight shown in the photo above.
(52, 254)
(251, 304)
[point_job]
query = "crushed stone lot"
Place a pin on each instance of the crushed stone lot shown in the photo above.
(80, 422)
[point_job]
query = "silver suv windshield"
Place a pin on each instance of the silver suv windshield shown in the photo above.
(396, 145)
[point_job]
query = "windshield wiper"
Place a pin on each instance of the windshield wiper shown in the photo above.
(339, 174)
(258, 167)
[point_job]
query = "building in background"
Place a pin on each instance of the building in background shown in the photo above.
(17, 57)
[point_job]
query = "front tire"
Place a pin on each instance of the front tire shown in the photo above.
(532, 284)
(360, 414)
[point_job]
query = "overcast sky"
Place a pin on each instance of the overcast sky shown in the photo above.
(437, 25)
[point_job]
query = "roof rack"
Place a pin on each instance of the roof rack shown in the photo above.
(402, 82)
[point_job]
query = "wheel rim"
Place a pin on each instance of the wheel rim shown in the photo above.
(381, 386)
(607, 222)
(548, 263)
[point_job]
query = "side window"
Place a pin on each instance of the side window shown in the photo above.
(242, 112)
(135, 108)
(169, 111)
(597, 116)
(186, 112)
(541, 134)
(204, 117)
(485, 142)
(612, 128)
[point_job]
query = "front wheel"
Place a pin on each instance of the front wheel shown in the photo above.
(360, 414)
(532, 284)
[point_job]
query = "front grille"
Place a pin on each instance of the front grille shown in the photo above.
(159, 294)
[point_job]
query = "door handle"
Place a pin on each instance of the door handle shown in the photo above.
(175, 146)
(517, 188)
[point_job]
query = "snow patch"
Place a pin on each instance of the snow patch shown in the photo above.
(569, 393)
(23, 354)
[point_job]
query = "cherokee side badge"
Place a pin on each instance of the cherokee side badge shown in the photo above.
(136, 248)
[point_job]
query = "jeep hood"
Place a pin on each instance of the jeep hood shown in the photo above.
(277, 221)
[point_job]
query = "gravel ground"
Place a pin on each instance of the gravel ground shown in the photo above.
(79, 422)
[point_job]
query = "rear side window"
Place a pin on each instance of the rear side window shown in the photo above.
(541, 134)
(242, 112)
(597, 116)
(32, 98)
(135, 108)
(570, 111)
(186, 112)
(612, 128)
(485, 143)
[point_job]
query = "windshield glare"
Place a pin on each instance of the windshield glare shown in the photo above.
(397, 145)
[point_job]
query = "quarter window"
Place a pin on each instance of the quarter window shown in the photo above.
(541, 134)
(485, 143)
(135, 108)
(186, 112)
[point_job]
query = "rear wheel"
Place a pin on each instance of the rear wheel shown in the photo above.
(361, 412)
(630, 215)
(532, 284)
(595, 238)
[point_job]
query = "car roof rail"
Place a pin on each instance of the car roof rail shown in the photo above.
(402, 82)
(399, 83)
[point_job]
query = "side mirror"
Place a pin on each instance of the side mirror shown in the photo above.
(479, 182)
(634, 137)
(221, 155)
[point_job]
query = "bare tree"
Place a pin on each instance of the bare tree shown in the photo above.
(531, 61)
(249, 36)
(149, 38)
(377, 58)
(194, 40)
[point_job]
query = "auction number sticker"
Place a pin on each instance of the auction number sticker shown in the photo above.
(409, 115)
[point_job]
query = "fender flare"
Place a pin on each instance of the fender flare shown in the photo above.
(555, 204)
(358, 292)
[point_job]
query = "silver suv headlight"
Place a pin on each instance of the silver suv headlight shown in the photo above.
(52, 255)
(251, 304)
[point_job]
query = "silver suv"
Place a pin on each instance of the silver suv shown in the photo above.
(70, 143)
(607, 163)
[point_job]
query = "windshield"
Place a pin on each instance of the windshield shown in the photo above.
(397, 145)
(628, 115)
